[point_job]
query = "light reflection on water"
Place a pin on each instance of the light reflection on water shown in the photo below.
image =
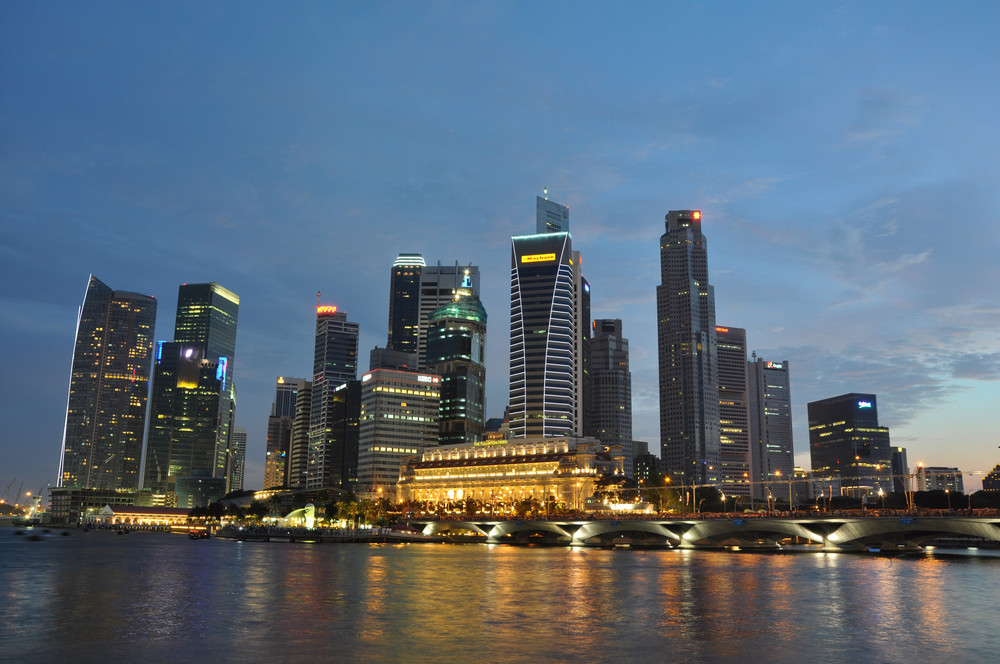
(97, 596)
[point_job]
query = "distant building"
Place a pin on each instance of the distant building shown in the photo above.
(688, 361)
(456, 351)
(108, 387)
(939, 478)
(646, 468)
(608, 408)
(734, 413)
(237, 459)
(846, 442)
(298, 455)
(70, 505)
(404, 303)
(384, 358)
(900, 471)
(770, 408)
(398, 419)
(991, 482)
(279, 432)
(439, 285)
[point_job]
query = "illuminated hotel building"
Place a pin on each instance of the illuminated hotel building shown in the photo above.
(332, 455)
(846, 442)
(734, 433)
(456, 351)
(404, 303)
(771, 454)
(108, 387)
(688, 363)
(279, 432)
(498, 474)
(398, 419)
(545, 379)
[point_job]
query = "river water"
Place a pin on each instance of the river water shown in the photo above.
(100, 597)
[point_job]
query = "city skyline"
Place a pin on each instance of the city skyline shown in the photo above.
(827, 147)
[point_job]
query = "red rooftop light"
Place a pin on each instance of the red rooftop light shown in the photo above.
(696, 214)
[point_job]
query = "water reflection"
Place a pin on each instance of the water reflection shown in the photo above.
(162, 598)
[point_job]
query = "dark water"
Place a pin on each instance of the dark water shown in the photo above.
(98, 597)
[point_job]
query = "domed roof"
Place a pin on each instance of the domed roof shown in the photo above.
(464, 308)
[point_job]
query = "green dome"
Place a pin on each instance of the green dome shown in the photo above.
(465, 308)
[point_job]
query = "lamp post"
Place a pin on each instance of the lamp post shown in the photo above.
(947, 493)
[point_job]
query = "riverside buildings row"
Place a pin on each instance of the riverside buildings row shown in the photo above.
(725, 420)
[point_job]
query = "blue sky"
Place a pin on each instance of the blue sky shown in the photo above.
(844, 154)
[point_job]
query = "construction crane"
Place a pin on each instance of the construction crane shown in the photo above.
(7, 490)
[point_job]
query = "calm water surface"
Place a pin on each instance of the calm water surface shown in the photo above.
(99, 597)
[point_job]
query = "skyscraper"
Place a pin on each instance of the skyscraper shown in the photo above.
(193, 402)
(770, 398)
(543, 333)
(846, 442)
(404, 303)
(609, 403)
(298, 455)
(439, 285)
(279, 432)
(334, 364)
(456, 351)
(734, 434)
(109, 382)
(688, 365)
(238, 458)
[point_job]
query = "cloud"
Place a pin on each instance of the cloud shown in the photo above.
(976, 366)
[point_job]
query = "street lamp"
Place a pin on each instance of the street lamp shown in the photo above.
(947, 493)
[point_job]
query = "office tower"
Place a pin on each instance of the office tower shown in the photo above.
(404, 303)
(439, 285)
(456, 351)
(193, 401)
(333, 462)
(334, 364)
(734, 414)
(109, 381)
(543, 335)
(399, 418)
(939, 478)
(237, 460)
(298, 454)
(900, 471)
(279, 432)
(688, 368)
(383, 358)
(846, 442)
(771, 454)
(581, 337)
(550, 217)
(609, 387)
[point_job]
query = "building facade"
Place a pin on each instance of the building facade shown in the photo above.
(456, 351)
(279, 432)
(939, 478)
(298, 455)
(734, 412)
(439, 285)
(108, 388)
(608, 406)
(688, 363)
(404, 303)
(398, 419)
(770, 400)
(238, 459)
(846, 442)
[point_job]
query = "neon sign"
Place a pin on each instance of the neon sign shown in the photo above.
(538, 258)
(326, 309)
(864, 404)
(220, 373)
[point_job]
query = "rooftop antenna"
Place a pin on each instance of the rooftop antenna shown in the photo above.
(545, 191)
(317, 298)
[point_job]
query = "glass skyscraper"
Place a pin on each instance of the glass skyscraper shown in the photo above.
(688, 365)
(846, 442)
(109, 383)
(404, 303)
(770, 424)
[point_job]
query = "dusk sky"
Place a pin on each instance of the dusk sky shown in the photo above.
(845, 157)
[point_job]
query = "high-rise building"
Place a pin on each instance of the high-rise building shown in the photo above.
(544, 339)
(900, 471)
(846, 442)
(404, 303)
(771, 456)
(456, 351)
(399, 418)
(193, 402)
(298, 454)
(108, 387)
(991, 481)
(334, 461)
(383, 358)
(688, 365)
(581, 337)
(439, 285)
(734, 414)
(608, 410)
(335, 363)
(237, 461)
(279, 432)
(939, 478)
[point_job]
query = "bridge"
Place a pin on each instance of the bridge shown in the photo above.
(906, 533)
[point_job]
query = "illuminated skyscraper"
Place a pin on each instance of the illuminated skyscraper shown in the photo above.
(193, 401)
(846, 442)
(456, 351)
(440, 285)
(771, 451)
(109, 382)
(609, 403)
(332, 459)
(544, 339)
(734, 425)
(688, 364)
(404, 303)
(279, 432)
